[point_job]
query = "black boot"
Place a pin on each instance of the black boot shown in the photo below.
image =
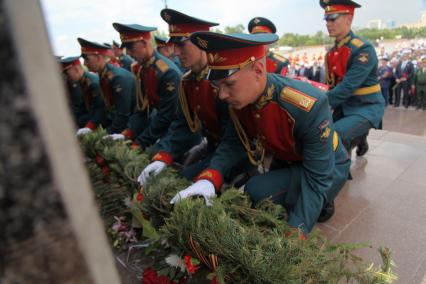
(362, 146)
(327, 212)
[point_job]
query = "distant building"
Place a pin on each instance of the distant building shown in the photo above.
(420, 24)
(391, 24)
(376, 24)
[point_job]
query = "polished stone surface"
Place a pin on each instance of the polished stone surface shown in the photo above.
(385, 203)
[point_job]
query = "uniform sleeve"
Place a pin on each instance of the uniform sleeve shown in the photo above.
(317, 167)
(179, 138)
(78, 109)
(98, 107)
(364, 60)
(127, 62)
(123, 92)
(160, 121)
(228, 155)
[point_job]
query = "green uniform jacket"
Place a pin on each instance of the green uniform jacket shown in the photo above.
(352, 76)
(118, 92)
(200, 113)
(275, 63)
(293, 122)
(126, 62)
(157, 99)
(87, 105)
(420, 78)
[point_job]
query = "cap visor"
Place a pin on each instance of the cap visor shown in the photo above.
(127, 45)
(331, 16)
(220, 74)
(176, 39)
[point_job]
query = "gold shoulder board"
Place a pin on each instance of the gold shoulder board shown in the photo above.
(297, 98)
(161, 65)
(110, 75)
(357, 42)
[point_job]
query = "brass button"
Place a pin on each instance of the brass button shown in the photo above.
(198, 107)
(257, 115)
(197, 88)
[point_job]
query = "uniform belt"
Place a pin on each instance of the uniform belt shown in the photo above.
(367, 90)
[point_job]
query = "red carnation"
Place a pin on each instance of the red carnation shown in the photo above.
(105, 170)
(99, 160)
(149, 276)
(189, 266)
(139, 197)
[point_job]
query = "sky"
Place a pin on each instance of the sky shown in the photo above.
(92, 19)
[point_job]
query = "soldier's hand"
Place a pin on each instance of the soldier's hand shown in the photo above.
(83, 131)
(153, 168)
(115, 137)
(202, 188)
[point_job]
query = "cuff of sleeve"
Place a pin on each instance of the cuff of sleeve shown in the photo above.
(163, 157)
(296, 222)
(135, 146)
(91, 125)
(214, 176)
(128, 133)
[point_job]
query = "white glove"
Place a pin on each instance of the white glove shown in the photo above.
(83, 131)
(202, 187)
(155, 167)
(115, 137)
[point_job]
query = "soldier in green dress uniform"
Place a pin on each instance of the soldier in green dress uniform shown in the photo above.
(420, 84)
(201, 113)
(85, 96)
(123, 59)
(157, 92)
(275, 63)
(118, 85)
(351, 74)
(273, 116)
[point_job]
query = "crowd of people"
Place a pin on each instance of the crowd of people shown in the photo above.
(402, 72)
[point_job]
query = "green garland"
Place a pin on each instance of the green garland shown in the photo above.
(238, 243)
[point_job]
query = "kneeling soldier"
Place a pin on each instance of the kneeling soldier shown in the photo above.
(200, 110)
(117, 84)
(272, 115)
(85, 96)
(158, 80)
